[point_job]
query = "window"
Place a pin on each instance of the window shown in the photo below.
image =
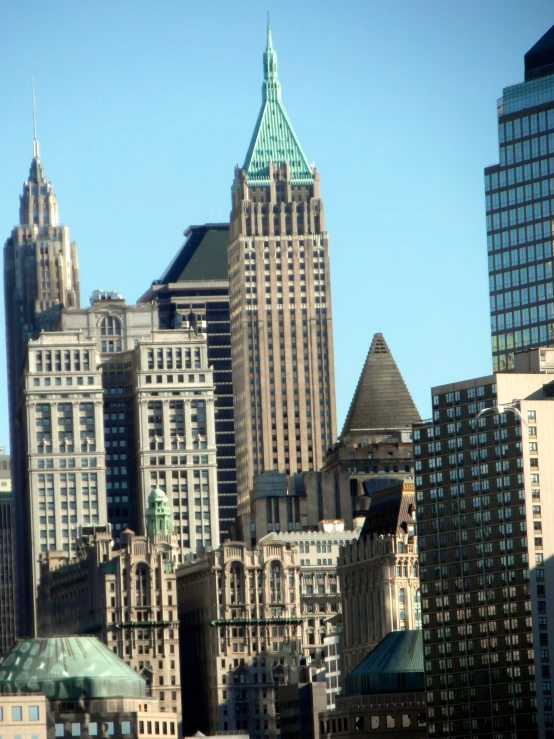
(125, 727)
(33, 713)
(109, 728)
(275, 582)
(93, 728)
(17, 713)
(76, 729)
(59, 729)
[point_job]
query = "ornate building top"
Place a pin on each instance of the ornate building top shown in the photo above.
(274, 140)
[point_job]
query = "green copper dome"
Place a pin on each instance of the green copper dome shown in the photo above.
(68, 668)
(274, 139)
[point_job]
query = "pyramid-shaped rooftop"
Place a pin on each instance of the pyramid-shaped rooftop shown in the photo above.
(274, 140)
(381, 400)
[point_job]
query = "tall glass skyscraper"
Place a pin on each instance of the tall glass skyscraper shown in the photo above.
(520, 205)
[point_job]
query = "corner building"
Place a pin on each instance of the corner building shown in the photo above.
(280, 302)
(486, 546)
(520, 204)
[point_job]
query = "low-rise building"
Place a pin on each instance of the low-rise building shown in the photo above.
(384, 694)
(126, 596)
(76, 687)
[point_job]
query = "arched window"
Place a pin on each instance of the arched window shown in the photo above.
(400, 546)
(110, 327)
(275, 582)
(236, 582)
(141, 586)
(417, 609)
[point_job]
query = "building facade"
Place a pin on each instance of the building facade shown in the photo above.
(519, 205)
(125, 596)
(379, 574)
(7, 588)
(384, 694)
(194, 291)
(279, 503)
(41, 276)
(240, 635)
(280, 302)
(483, 476)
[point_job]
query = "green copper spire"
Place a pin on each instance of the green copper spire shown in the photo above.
(274, 139)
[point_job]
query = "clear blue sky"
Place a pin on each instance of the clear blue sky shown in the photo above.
(144, 109)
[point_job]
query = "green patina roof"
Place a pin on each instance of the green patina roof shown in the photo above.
(68, 668)
(396, 664)
(274, 139)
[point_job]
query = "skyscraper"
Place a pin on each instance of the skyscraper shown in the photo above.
(519, 209)
(194, 290)
(485, 539)
(280, 302)
(40, 278)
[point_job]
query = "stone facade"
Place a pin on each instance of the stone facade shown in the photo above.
(379, 575)
(241, 636)
(126, 596)
(41, 276)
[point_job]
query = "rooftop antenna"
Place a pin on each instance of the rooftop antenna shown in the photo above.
(36, 154)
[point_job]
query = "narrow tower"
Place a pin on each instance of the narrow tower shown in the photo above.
(40, 278)
(280, 302)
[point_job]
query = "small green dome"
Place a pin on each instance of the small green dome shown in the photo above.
(157, 496)
(69, 667)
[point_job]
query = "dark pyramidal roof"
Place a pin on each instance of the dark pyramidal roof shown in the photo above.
(539, 60)
(68, 668)
(381, 400)
(395, 665)
(203, 256)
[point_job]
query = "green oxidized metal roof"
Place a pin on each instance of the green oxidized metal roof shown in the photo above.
(274, 139)
(68, 667)
(395, 664)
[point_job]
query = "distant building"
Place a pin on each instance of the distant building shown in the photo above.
(385, 694)
(379, 574)
(75, 687)
(126, 596)
(519, 208)
(375, 446)
(158, 415)
(194, 291)
(41, 276)
(333, 647)
(7, 589)
(283, 504)
(300, 705)
(280, 302)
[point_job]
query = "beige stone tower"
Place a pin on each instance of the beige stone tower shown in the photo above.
(280, 300)
(41, 276)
